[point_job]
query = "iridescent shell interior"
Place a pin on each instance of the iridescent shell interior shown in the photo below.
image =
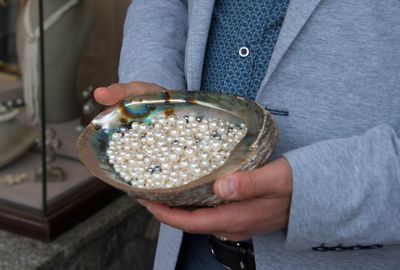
(251, 152)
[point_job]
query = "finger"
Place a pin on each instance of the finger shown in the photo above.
(205, 220)
(110, 95)
(116, 92)
(274, 179)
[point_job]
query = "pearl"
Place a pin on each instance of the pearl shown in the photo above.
(184, 164)
(177, 149)
(172, 151)
(190, 141)
(189, 152)
(142, 127)
(162, 121)
(197, 170)
(213, 125)
(173, 157)
(173, 133)
(116, 136)
(192, 118)
(203, 126)
(180, 122)
(134, 144)
(147, 160)
(204, 163)
(149, 140)
(134, 125)
(193, 165)
(216, 146)
(171, 120)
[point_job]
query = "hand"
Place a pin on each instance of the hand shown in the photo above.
(118, 91)
(259, 204)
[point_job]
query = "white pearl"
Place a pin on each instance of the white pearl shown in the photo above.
(173, 133)
(190, 142)
(197, 170)
(134, 144)
(180, 122)
(149, 156)
(184, 164)
(171, 120)
(204, 163)
(173, 157)
(216, 146)
(147, 160)
(116, 136)
(134, 125)
(177, 149)
(189, 152)
(183, 175)
(142, 127)
(213, 125)
(162, 121)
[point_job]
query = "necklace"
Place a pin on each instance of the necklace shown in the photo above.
(7, 114)
(30, 61)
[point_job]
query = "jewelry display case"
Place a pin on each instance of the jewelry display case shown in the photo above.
(46, 50)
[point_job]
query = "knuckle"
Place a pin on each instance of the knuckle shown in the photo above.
(247, 186)
(239, 227)
(190, 228)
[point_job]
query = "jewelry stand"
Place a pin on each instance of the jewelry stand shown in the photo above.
(44, 209)
(69, 201)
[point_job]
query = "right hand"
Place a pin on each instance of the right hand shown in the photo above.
(114, 93)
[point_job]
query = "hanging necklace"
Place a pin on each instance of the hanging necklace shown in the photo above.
(30, 68)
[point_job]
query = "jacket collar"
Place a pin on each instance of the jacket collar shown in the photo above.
(298, 13)
(200, 13)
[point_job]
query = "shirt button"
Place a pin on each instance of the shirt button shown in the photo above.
(244, 51)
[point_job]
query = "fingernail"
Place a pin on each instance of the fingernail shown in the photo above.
(227, 187)
(141, 202)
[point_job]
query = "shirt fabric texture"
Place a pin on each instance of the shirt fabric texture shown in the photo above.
(254, 25)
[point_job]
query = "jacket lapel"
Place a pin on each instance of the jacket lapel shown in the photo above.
(299, 11)
(200, 13)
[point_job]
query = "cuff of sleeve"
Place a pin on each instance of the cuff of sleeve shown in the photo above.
(299, 233)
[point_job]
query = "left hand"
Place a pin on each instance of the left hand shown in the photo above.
(259, 203)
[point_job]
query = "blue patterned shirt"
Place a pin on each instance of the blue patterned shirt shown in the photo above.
(241, 40)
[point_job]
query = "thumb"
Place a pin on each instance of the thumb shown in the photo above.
(273, 179)
(238, 186)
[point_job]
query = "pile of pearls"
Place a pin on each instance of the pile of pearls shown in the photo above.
(172, 151)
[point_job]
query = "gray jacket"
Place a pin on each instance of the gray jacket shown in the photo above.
(336, 70)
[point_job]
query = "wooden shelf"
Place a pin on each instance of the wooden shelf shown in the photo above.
(61, 216)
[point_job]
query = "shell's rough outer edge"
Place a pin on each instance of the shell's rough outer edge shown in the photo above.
(252, 152)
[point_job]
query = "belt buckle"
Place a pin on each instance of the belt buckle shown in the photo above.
(241, 254)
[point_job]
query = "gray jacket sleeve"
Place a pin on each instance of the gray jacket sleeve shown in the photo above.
(154, 43)
(346, 191)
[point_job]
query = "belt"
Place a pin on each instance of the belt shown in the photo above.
(233, 255)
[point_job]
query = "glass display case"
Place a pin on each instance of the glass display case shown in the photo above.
(53, 53)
